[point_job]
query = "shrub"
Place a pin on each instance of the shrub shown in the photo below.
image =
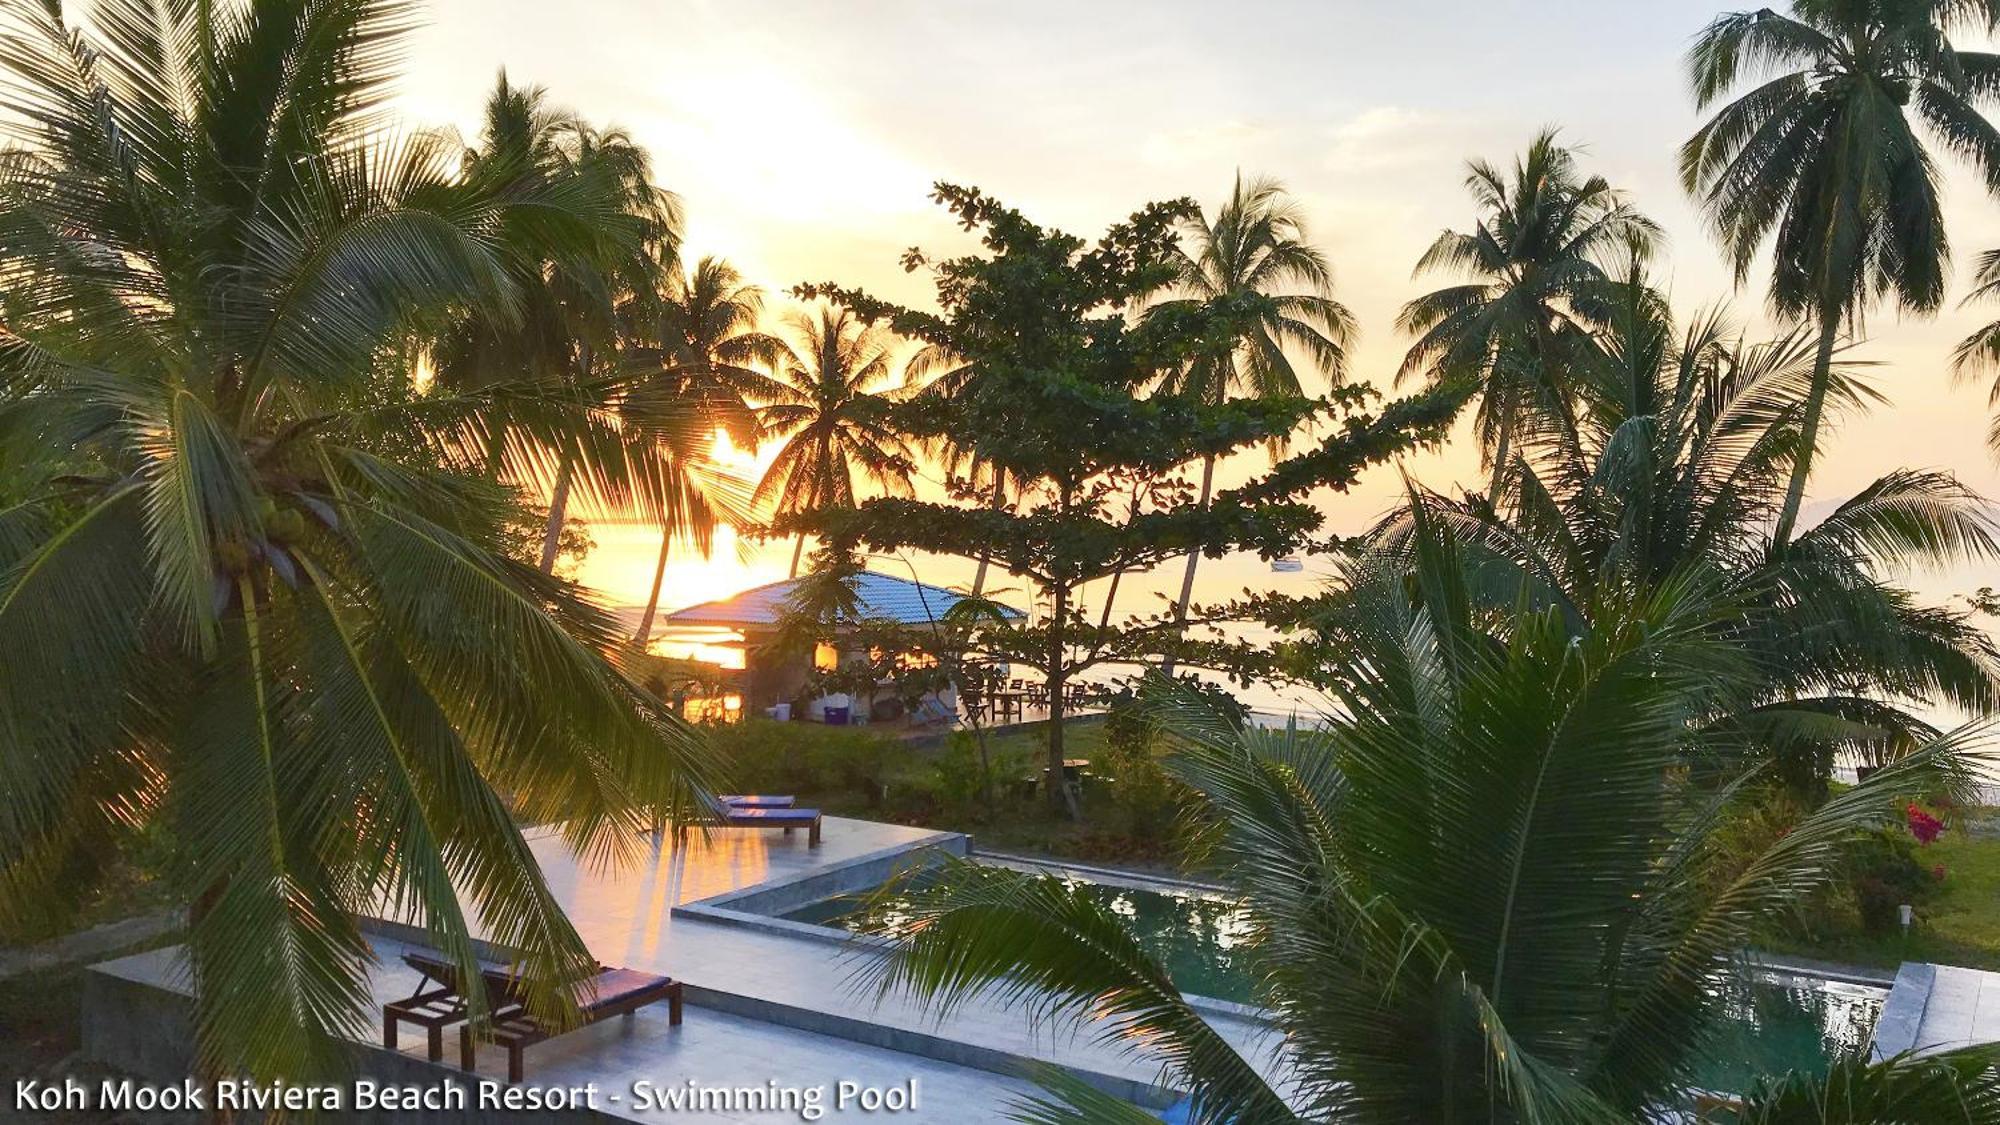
(960, 782)
(1923, 826)
(767, 756)
(1885, 873)
(1880, 871)
(1148, 805)
(960, 779)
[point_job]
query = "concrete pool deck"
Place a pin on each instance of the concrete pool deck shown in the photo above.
(766, 1004)
(1936, 1008)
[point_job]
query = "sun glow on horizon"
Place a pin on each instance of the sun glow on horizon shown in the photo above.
(620, 567)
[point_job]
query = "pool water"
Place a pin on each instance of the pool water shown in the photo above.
(1781, 1021)
(1196, 934)
(1776, 1021)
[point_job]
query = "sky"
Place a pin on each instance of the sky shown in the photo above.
(803, 139)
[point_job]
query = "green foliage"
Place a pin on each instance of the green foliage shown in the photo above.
(1961, 1085)
(799, 757)
(1530, 270)
(1147, 802)
(1822, 157)
(247, 594)
(1048, 393)
(1677, 464)
(828, 405)
(1131, 756)
(1878, 870)
(1957, 922)
(960, 777)
(1477, 894)
(1886, 873)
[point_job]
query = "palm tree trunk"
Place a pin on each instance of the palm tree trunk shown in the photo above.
(1110, 596)
(819, 490)
(1193, 560)
(1061, 797)
(1822, 379)
(653, 599)
(799, 548)
(558, 502)
(1502, 451)
(1553, 383)
(986, 557)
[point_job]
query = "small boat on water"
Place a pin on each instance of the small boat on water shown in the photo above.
(1287, 566)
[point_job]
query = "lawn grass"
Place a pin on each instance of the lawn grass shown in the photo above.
(1960, 926)
(910, 787)
(1030, 742)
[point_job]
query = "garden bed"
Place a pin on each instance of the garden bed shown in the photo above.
(1959, 925)
(853, 771)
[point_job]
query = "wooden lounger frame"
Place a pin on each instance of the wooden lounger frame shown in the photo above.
(513, 1028)
(438, 1002)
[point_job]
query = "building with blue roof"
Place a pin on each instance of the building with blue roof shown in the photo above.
(733, 632)
(880, 596)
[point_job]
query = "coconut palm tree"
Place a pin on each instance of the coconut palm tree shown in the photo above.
(241, 604)
(567, 340)
(1980, 352)
(1543, 241)
(707, 339)
(1253, 257)
(1822, 157)
(1680, 460)
(833, 421)
(1471, 896)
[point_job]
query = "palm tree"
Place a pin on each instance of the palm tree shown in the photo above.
(1541, 246)
(1470, 897)
(1683, 449)
(568, 341)
(1823, 158)
(832, 422)
(935, 373)
(1253, 259)
(707, 338)
(1980, 352)
(241, 605)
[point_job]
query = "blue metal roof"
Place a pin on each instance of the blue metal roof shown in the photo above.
(882, 596)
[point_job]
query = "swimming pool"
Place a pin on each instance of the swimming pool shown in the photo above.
(1196, 933)
(1776, 1021)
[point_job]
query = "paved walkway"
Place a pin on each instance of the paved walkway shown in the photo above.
(1938, 1007)
(771, 1010)
(735, 1060)
(626, 918)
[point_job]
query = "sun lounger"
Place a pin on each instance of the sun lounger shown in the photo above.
(786, 819)
(735, 816)
(759, 801)
(439, 1002)
(617, 992)
(435, 1004)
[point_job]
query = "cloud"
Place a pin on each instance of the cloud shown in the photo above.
(1206, 145)
(1387, 137)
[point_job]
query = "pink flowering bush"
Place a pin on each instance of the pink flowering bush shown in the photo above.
(1925, 827)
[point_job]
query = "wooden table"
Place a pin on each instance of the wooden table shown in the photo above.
(1007, 703)
(1072, 769)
